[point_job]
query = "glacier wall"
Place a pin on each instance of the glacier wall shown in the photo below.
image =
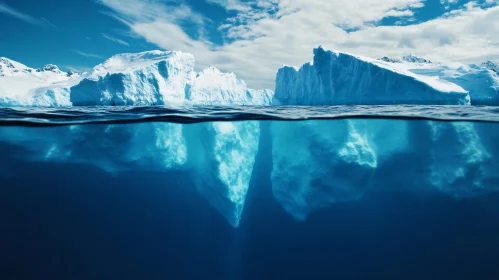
(336, 78)
(314, 163)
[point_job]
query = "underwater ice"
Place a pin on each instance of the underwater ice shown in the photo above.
(315, 163)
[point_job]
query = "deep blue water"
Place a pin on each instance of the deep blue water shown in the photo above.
(74, 221)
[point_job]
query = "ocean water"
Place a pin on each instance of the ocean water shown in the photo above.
(383, 192)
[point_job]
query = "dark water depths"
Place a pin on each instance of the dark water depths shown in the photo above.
(74, 221)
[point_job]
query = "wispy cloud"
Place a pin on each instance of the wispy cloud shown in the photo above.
(24, 17)
(48, 22)
(116, 40)
(87, 54)
(230, 5)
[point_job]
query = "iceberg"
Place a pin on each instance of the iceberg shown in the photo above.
(162, 78)
(131, 79)
(147, 78)
(22, 86)
(315, 164)
(481, 81)
(336, 78)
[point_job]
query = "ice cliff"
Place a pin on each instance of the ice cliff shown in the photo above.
(336, 78)
(162, 78)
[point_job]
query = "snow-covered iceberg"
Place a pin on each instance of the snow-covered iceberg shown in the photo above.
(162, 78)
(336, 78)
(481, 81)
(147, 78)
(22, 86)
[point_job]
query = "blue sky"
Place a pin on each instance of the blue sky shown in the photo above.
(249, 37)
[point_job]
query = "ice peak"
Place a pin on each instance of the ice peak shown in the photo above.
(214, 70)
(322, 50)
(129, 62)
(415, 59)
(49, 68)
(389, 59)
(6, 62)
(491, 66)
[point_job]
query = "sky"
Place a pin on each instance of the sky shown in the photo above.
(251, 38)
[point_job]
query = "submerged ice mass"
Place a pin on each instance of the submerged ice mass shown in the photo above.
(221, 158)
(315, 163)
(325, 163)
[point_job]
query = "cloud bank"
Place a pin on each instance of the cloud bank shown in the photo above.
(261, 35)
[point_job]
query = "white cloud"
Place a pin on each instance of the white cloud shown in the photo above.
(230, 4)
(267, 33)
(24, 17)
(399, 13)
(87, 54)
(116, 40)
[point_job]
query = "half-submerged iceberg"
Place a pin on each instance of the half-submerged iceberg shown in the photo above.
(336, 78)
(315, 163)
